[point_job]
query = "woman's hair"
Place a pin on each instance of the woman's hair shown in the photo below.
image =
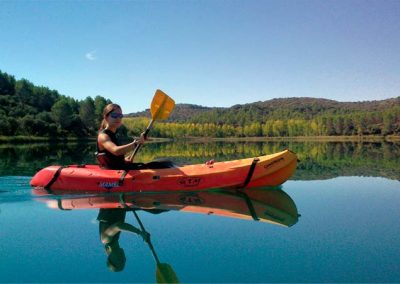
(107, 110)
(116, 260)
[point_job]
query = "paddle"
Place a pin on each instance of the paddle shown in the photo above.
(161, 107)
(164, 272)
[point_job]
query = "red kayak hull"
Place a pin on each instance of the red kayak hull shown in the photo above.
(268, 170)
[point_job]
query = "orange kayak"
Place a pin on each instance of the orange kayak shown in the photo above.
(269, 205)
(268, 170)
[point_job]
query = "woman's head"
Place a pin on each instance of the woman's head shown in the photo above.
(112, 116)
(116, 258)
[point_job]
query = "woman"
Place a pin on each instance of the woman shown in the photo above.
(110, 154)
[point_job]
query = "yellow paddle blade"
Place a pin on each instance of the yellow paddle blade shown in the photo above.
(165, 274)
(161, 106)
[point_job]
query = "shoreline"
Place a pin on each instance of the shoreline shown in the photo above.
(369, 138)
(34, 139)
(372, 138)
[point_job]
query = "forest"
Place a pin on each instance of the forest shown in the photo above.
(278, 118)
(37, 111)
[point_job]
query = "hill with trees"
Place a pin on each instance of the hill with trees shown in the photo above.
(36, 111)
(29, 110)
(181, 113)
(282, 118)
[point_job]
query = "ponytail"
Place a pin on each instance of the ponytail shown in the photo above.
(103, 124)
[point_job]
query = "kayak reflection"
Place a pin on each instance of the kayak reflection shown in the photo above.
(271, 205)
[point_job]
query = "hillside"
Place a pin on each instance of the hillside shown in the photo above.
(181, 113)
(281, 108)
(280, 118)
(27, 110)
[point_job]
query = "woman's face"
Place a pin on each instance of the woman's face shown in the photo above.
(114, 118)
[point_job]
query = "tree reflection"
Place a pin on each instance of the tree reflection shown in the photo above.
(318, 160)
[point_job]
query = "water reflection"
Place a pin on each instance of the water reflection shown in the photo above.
(270, 205)
(319, 160)
(111, 224)
(26, 159)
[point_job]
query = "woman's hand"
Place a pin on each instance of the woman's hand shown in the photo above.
(145, 236)
(141, 139)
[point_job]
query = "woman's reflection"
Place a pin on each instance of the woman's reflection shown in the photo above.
(111, 224)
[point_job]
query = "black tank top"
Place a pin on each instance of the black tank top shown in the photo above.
(106, 158)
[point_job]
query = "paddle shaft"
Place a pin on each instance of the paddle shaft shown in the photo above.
(149, 241)
(160, 108)
(145, 136)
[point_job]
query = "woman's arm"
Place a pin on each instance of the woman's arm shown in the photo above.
(124, 227)
(106, 143)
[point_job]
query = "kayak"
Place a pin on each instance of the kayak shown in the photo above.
(262, 204)
(267, 170)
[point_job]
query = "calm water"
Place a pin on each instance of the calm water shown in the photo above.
(347, 194)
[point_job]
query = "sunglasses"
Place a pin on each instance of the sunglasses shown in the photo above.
(116, 115)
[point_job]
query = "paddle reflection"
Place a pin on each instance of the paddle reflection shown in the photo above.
(271, 205)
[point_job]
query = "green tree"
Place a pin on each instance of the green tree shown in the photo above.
(338, 124)
(76, 127)
(87, 114)
(361, 124)
(7, 127)
(62, 113)
(330, 126)
(252, 130)
(24, 92)
(99, 104)
(45, 98)
(279, 128)
(388, 123)
(267, 128)
(7, 84)
(28, 125)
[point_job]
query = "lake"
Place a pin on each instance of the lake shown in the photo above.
(335, 220)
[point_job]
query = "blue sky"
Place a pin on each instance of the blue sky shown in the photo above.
(211, 53)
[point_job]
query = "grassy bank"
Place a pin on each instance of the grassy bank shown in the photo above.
(369, 138)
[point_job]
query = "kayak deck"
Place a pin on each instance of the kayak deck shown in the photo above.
(268, 170)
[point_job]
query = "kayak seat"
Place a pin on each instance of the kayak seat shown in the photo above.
(160, 164)
(101, 159)
(156, 164)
